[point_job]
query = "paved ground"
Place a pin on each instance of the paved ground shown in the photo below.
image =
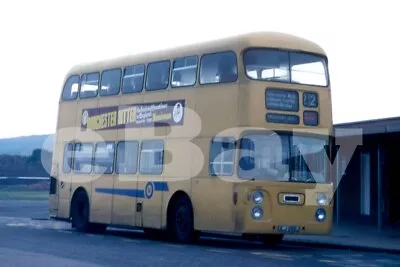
(26, 242)
(23, 208)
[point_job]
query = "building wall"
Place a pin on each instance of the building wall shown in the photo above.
(350, 187)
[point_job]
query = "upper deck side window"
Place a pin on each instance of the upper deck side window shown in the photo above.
(89, 85)
(218, 68)
(110, 82)
(133, 79)
(70, 90)
(285, 66)
(158, 75)
(184, 71)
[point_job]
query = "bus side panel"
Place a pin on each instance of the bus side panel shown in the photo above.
(149, 186)
(126, 192)
(150, 189)
(65, 134)
(124, 199)
(179, 150)
(173, 186)
(98, 186)
(178, 170)
(212, 197)
(101, 199)
(59, 202)
(101, 185)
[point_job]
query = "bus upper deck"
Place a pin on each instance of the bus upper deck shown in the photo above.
(262, 78)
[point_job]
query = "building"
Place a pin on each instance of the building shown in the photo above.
(369, 190)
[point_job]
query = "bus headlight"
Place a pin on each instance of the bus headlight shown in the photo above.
(321, 199)
(257, 213)
(320, 215)
(258, 197)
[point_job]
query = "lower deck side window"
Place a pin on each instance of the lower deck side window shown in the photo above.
(151, 157)
(222, 154)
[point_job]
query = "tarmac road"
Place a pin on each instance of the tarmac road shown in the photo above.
(26, 242)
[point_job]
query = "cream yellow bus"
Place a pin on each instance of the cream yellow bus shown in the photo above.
(225, 136)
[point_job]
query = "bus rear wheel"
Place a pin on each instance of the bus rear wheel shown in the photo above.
(80, 215)
(180, 220)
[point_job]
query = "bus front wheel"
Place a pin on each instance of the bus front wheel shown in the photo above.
(80, 208)
(180, 220)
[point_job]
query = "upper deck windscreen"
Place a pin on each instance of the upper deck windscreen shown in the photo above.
(286, 66)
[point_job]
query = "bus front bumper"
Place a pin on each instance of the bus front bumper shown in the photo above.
(288, 221)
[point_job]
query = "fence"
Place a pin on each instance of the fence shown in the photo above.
(20, 181)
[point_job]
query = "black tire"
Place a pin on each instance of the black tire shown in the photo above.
(80, 212)
(180, 221)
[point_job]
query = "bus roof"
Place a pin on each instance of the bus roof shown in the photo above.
(237, 43)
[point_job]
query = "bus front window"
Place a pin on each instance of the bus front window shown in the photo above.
(264, 156)
(309, 159)
(280, 157)
(286, 66)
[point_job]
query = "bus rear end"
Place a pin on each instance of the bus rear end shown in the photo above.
(284, 154)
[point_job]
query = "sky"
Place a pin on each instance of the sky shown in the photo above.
(42, 40)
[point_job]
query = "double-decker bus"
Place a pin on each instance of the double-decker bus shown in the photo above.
(225, 136)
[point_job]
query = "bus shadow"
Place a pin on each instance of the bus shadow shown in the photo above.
(207, 241)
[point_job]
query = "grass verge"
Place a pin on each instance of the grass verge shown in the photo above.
(23, 195)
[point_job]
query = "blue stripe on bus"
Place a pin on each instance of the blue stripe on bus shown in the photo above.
(139, 193)
(161, 186)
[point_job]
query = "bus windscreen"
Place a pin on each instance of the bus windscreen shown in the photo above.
(286, 66)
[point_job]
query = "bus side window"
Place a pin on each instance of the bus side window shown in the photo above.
(83, 158)
(151, 157)
(89, 85)
(158, 75)
(67, 160)
(222, 153)
(184, 72)
(218, 68)
(104, 158)
(133, 79)
(110, 82)
(127, 157)
(71, 86)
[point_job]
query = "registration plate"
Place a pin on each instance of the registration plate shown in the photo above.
(288, 228)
